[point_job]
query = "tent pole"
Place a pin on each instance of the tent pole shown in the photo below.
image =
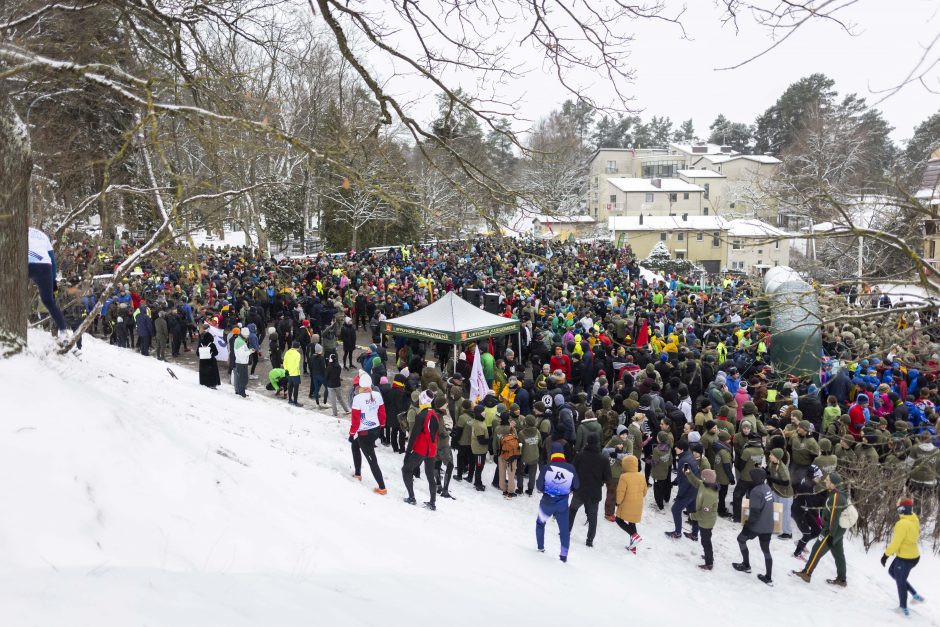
(519, 337)
(455, 360)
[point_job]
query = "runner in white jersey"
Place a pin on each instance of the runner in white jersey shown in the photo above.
(368, 420)
(42, 272)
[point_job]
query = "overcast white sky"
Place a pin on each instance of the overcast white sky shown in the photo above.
(678, 77)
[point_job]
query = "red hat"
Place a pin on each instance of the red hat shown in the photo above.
(305, 323)
(908, 502)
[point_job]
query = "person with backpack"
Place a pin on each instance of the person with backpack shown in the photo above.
(422, 449)
(593, 470)
(904, 547)
(661, 463)
(833, 531)
(778, 476)
(760, 525)
(556, 481)
(507, 456)
(368, 419)
(531, 439)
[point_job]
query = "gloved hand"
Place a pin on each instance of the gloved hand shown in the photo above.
(731, 481)
(884, 560)
(352, 438)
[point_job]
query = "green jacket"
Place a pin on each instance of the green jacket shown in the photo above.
(477, 429)
(830, 416)
(706, 503)
(803, 450)
(752, 456)
(836, 503)
(586, 427)
(827, 463)
(708, 440)
(531, 439)
(276, 375)
(464, 424)
(723, 461)
(778, 476)
(616, 457)
(662, 462)
(923, 458)
(498, 434)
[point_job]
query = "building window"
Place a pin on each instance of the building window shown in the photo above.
(716, 239)
(611, 167)
(649, 196)
(736, 244)
(673, 197)
(760, 251)
(613, 199)
(699, 237)
(706, 190)
(663, 236)
(662, 169)
(680, 236)
(680, 255)
(685, 196)
(704, 211)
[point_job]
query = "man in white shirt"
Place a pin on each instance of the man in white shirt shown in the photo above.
(368, 419)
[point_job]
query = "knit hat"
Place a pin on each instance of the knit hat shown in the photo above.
(539, 405)
(862, 399)
(723, 435)
(529, 421)
(778, 453)
(709, 476)
(694, 436)
(593, 439)
(365, 381)
(805, 425)
(905, 506)
(558, 453)
(749, 408)
(466, 404)
(825, 445)
(663, 437)
(424, 398)
(835, 478)
(709, 425)
(439, 401)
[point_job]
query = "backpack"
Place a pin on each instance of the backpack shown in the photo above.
(849, 516)
(509, 446)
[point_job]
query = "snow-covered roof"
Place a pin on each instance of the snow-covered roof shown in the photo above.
(749, 227)
(756, 158)
(701, 174)
(575, 219)
(667, 223)
(703, 149)
(646, 185)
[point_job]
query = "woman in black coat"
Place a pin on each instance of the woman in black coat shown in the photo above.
(208, 368)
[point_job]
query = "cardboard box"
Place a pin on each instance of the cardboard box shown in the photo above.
(778, 514)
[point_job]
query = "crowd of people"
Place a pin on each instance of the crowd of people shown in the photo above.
(620, 384)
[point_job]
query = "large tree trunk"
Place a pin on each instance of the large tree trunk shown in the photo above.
(16, 166)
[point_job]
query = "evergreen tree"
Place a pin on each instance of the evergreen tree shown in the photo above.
(777, 127)
(727, 133)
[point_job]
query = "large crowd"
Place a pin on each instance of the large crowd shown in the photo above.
(619, 382)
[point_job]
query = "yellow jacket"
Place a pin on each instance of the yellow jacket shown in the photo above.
(292, 362)
(905, 537)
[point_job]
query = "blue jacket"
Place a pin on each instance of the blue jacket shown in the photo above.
(685, 488)
(253, 338)
(557, 480)
(144, 324)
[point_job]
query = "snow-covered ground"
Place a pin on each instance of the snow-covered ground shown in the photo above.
(231, 238)
(132, 498)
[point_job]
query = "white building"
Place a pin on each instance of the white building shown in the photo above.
(669, 196)
(755, 246)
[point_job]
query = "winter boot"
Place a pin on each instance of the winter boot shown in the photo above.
(766, 579)
(837, 582)
(802, 575)
(705, 566)
(431, 506)
(741, 567)
(410, 500)
(691, 536)
(675, 535)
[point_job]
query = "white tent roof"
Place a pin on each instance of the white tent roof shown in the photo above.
(451, 319)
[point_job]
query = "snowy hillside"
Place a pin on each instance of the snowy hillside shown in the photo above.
(130, 498)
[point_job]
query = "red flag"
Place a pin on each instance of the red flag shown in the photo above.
(492, 350)
(643, 337)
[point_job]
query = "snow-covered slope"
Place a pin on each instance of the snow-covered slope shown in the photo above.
(131, 498)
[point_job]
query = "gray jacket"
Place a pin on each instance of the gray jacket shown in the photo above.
(760, 518)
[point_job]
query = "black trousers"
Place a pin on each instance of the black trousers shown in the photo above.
(364, 445)
(706, 536)
(348, 354)
(662, 492)
(412, 462)
(741, 488)
(479, 461)
(629, 527)
(464, 462)
(590, 509)
(764, 539)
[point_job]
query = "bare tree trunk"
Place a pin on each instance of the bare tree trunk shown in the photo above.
(15, 169)
(104, 213)
(355, 239)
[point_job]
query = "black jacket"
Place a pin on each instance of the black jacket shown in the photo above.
(593, 469)
(334, 373)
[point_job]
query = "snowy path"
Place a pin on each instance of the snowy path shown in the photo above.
(131, 498)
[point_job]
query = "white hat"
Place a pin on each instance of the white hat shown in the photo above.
(425, 398)
(365, 381)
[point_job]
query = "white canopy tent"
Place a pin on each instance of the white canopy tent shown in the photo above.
(453, 320)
